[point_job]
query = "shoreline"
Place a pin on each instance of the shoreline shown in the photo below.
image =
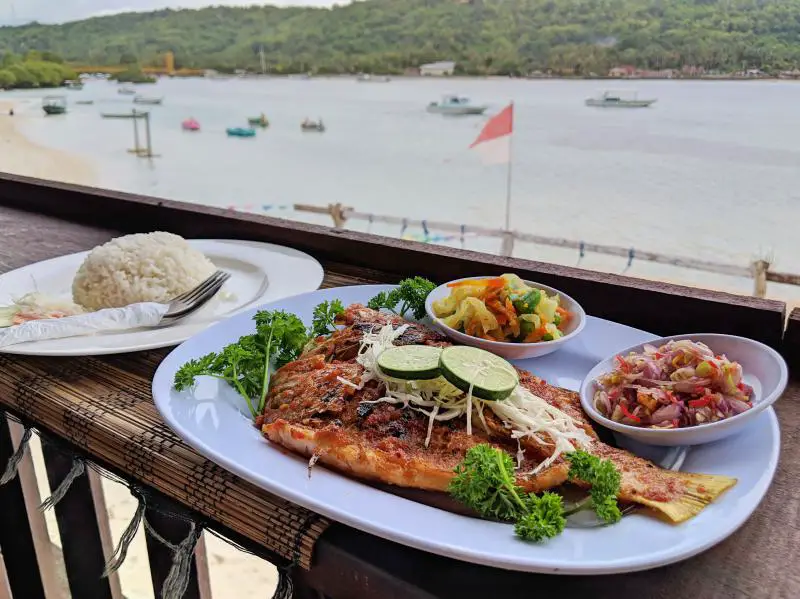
(461, 77)
(21, 156)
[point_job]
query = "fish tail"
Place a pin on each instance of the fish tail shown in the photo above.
(699, 491)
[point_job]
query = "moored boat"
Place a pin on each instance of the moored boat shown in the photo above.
(54, 105)
(240, 132)
(311, 126)
(258, 121)
(456, 105)
(367, 78)
(146, 100)
(611, 99)
(124, 115)
(126, 91)
(190, 124)
(76, 85)
(85, 102)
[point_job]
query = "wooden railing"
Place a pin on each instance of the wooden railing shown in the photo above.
(41, 220)
(759, 270)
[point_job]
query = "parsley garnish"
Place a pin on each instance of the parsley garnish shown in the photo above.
(409, 295)
(485, 482)
(544, 518)
(325, 314)
(604, 479)
(279, 338)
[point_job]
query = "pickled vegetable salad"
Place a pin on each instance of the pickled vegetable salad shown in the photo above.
(682, 383)
(502, 309)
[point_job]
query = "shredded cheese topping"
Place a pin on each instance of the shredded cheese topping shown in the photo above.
(525, 414)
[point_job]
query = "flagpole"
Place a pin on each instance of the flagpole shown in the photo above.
(508, 179)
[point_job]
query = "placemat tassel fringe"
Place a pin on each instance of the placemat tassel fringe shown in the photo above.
(285, 588)
(125, 540)
(78, 468)
(14, 460)
(177, 580)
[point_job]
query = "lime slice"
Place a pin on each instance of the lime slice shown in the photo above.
(489, 376)
(411, 362)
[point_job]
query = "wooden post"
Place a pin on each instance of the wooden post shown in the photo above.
(136, 148)
(337, 214)
(760, 268)
(21, 537)
(508, 244)
(147, 129)
(5, 590)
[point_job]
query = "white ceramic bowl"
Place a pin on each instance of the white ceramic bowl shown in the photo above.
(763, 369)
(512, 351)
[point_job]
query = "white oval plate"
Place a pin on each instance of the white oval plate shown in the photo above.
(261, 272)
(213, 421)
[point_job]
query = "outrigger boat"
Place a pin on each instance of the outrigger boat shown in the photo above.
(240, 132)
(309, 125)
(455, 105)
(54, 105)
(146, 100)
(609, 99)
(258, 121)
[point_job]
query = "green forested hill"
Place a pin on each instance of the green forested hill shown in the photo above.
(483, 36)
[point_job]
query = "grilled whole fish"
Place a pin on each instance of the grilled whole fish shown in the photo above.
(315, 408)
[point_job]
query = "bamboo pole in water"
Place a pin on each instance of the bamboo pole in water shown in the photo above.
(135, 120)
(147, 130)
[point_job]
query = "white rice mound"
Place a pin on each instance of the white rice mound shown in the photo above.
(145, 267)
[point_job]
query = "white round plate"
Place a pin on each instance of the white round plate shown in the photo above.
(260, 272)
(213, 420)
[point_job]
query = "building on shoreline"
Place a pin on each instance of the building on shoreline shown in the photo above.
(442, 68)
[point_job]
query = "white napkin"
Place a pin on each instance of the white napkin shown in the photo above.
(146, 314)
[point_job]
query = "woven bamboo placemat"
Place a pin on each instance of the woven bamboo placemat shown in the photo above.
(108, 412)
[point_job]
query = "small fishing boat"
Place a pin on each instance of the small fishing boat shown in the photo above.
(146, 100)
(456, 105)
(54, 105)
(367, 78)
(611, 99)
(76, 85)
(126, 91)
(124, 115)
(313, 126)
(85, 102)
(190, 125)
(258, 121)
(240, 132)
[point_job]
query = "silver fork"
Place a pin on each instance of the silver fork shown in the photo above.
(194, 299)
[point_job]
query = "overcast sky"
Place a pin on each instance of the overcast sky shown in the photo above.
(15, 12)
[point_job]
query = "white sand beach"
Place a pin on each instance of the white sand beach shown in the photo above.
(21, 156)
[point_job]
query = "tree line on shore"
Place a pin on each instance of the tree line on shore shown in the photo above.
(484, 37)
(33, 69)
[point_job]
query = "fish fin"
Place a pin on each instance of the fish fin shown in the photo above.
(700, 490)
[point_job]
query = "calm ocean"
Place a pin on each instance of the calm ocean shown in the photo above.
(710, 171)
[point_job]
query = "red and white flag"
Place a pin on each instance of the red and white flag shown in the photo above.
(494, 142)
